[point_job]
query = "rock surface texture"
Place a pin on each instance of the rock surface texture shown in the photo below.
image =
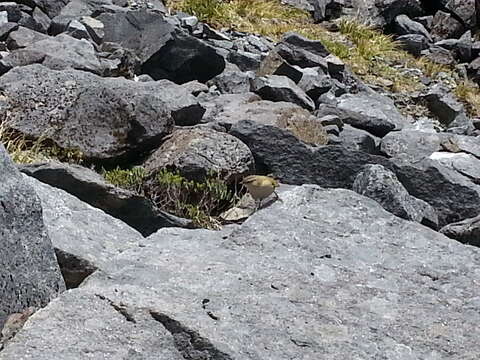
(332, 274)
(29, 273)
(141, 126)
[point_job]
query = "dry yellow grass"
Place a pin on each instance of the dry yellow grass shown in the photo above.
(376, 58)
(469, 93)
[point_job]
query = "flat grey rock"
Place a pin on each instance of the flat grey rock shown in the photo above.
(332, 280)
(84, 237)
(91, 188)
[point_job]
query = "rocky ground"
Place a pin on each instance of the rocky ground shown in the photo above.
(127, 127)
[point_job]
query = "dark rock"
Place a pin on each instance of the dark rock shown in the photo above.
(474, 69)
(50, 7)
(77, 30)
(297, 50)
(143, 31)
(452, 195)
(29, 22)
(461, 47)
(183, 59)
(29, 273)
(466, 231)
(281, 88)
(14, 13)
(335, 67)
(202, 294)
(294, 73)
(6, 29)
(84, 238)
(211, 33)
(444, 26)
(295, 162)
(382, 13)
(315, 83)
(442, 103)
(439, 55)
(92, 188)
(244, 60)
(232, 80)
(106, 119)
(382, 185)
(41, 19)
(413, 43)
(23, 37)
(356, 140)
(196, 153)
(94, 27)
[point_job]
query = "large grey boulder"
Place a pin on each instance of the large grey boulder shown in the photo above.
(410, 146)
(143, 31)
(295, 162)
(228, 109)
(372, 112)
(106, 119)
(331, 280)
(23, 37)
(196, 153)
(29, 273)
(91, 188)
(452, 194)
(84, 238)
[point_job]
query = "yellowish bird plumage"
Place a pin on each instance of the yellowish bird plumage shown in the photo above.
(260, 187)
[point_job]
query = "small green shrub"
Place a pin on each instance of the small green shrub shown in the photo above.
(199, 201)
(130, 179)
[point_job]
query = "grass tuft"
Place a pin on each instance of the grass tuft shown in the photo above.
(26, 151)
(469, 93)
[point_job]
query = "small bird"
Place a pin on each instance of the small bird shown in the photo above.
(260, 187)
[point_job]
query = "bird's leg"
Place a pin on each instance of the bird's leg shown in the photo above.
(278, 197)
(257, 205)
